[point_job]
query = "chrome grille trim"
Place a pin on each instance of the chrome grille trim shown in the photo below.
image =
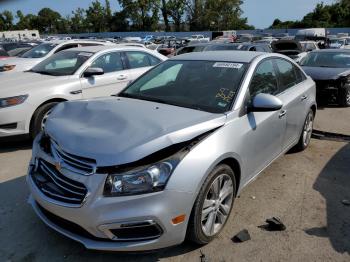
(54, 177)
(73, 163)
(52, 183)
(58, 178)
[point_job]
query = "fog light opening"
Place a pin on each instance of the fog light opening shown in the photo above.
(179, 219)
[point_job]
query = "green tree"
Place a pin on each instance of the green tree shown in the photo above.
(48, 20)
(95, 17)
(143, 14)
(77, 21)
(6, 20)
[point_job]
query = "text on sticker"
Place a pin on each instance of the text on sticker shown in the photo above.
(228, 65)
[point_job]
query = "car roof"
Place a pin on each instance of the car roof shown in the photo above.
(98, 48)
(227, 56)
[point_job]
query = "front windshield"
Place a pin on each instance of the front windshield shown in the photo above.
(39, 51)
(337, 41)
(203, 85)
(63, 63)
(327, 59)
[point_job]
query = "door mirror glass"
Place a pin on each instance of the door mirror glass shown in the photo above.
(265, 103)
(93, 71)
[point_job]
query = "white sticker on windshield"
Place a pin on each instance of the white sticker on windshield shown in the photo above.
(228, 65)
(85, 54)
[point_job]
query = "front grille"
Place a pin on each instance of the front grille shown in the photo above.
(57, 186)
(78, 164)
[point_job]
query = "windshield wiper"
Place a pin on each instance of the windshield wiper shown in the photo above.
(161, 101)
(42, 72)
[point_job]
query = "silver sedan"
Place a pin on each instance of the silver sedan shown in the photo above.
(165, 159)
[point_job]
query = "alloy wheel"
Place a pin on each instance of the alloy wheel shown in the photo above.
(217, 205)
(307, 130)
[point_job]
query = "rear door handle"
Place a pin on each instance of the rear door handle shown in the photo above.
(282, 113)
(122, 77)
(303, 98)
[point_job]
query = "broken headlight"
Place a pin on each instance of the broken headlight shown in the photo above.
(148, 179)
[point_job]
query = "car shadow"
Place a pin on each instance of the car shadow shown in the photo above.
(24, 237)
(11, 144)
(333, 184)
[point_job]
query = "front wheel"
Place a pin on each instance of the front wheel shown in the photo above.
(39, 118)
(213, 205)
(344, 96)
(306, 133)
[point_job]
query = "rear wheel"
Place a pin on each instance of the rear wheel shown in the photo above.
(344, 96)
(306, 133)
(39, 118)
(213, 205)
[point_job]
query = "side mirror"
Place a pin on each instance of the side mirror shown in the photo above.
(93, 71)
(265, 103)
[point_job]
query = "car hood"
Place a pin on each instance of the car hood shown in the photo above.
(116, 131)
(22, 64)
(20, 83)
(326, 73)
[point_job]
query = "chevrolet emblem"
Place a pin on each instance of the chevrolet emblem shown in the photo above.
(58, 166)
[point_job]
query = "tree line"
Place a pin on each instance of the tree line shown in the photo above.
(133, 15)
(324, 16)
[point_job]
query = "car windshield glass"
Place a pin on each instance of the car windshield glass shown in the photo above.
(203, 85)
(62, 63)
(39, 51)
(337, 41)
(327, 59)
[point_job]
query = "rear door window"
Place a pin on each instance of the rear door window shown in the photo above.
(138, 59)
(110, 62)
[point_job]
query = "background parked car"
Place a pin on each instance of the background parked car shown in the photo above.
(39, 53)
(26, 98)
(215, 46)
(330, 69)
(290, 48)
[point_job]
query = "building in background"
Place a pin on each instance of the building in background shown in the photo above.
(20, 35)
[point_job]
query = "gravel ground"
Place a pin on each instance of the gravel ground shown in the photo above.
(305, 190)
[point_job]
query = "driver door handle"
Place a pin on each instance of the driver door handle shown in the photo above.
(122, 77)
(304, 97)
(282, 113)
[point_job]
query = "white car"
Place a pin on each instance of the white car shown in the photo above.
(39, 53)
(26, 98)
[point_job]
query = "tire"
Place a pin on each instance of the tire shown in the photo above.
(344, 96)
(39, 117)
(200, 231)
(306, 133)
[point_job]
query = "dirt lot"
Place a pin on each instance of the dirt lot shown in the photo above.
(305, 190)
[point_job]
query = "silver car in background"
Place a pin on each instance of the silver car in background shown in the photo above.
(165, 159)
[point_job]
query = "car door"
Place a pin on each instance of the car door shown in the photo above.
(265, 131)
(293, 95)
(139, 62)
(114, 79)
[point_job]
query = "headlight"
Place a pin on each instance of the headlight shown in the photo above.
(12, 101)
(5, 68)
(149, 179)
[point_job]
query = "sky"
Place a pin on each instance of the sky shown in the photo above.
(260, 13)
